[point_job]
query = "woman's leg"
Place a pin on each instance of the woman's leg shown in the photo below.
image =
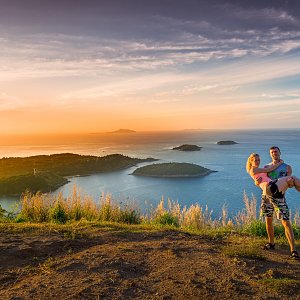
(296, 183)
(283, 183)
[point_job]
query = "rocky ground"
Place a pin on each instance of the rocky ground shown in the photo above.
(117, 264)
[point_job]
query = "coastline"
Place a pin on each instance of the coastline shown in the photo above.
(215, 189)
(47, 173)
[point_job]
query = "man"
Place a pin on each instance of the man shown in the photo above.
(269, 204)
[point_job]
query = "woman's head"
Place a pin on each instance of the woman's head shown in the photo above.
(252, 161)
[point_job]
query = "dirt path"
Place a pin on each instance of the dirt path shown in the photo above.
(144, 265)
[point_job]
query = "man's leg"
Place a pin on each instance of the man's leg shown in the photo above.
(289, 233)
(284, 214)
(270, 229)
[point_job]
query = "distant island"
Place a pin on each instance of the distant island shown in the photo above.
(172, 170)
(123, 131)
(46, 173)
(187, 147)
(227, 143)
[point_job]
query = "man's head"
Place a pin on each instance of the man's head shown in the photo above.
(275, 153)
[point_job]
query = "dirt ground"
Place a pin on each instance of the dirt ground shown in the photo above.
(115, 264)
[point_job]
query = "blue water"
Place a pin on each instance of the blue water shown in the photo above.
(225, 187)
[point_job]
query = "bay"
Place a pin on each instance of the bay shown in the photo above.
(224, 187)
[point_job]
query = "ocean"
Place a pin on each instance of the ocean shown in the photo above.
(224, 187)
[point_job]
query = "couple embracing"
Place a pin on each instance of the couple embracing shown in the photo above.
(274, 179)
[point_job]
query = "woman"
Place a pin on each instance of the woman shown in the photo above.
(274, 188)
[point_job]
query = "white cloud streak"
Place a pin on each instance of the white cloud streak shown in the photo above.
(8, 102)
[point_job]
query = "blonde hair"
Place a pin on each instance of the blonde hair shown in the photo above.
(249, 161)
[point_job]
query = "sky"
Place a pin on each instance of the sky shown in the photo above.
(76, 66)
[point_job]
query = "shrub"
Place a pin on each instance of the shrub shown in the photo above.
(167, 219)
(57, 213)
(129, 216)
(2, 212)
(256, 227)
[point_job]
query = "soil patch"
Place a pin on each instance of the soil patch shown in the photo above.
(144, 265)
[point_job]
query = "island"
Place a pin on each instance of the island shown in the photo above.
(187, 147)
(227, 143)
(46, 173)
(172, 170)
(122, 131)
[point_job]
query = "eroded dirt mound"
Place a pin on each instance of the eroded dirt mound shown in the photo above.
(144, 265)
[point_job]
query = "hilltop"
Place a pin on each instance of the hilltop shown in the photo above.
(111, 262)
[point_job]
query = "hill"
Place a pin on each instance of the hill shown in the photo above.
(41, 181)
(17, 173)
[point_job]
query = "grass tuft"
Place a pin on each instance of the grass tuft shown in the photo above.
(248, 251)
(283, 285)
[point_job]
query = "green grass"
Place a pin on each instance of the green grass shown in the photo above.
(282, 285)
(246, 250)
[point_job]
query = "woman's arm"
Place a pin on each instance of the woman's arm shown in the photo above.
(267, 169)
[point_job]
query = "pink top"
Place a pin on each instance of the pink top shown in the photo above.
(265, 180)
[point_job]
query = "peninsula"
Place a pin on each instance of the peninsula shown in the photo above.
(47, 172)
(172, 170)
(187, 147)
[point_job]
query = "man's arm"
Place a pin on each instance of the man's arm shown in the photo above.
(289, 170)
(265, 169)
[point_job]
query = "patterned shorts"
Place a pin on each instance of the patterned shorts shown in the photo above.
(269, 204)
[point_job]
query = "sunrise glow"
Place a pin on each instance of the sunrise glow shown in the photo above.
(94, 66)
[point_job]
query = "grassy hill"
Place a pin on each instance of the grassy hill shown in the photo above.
(17, 173)
(172, 170)
(41, 181)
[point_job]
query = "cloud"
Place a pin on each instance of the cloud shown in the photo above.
(285, 95)
(192, 42)
(129, 87)
(8, 102)
(259, 16)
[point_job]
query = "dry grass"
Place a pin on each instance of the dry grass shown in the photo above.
(77, 207)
